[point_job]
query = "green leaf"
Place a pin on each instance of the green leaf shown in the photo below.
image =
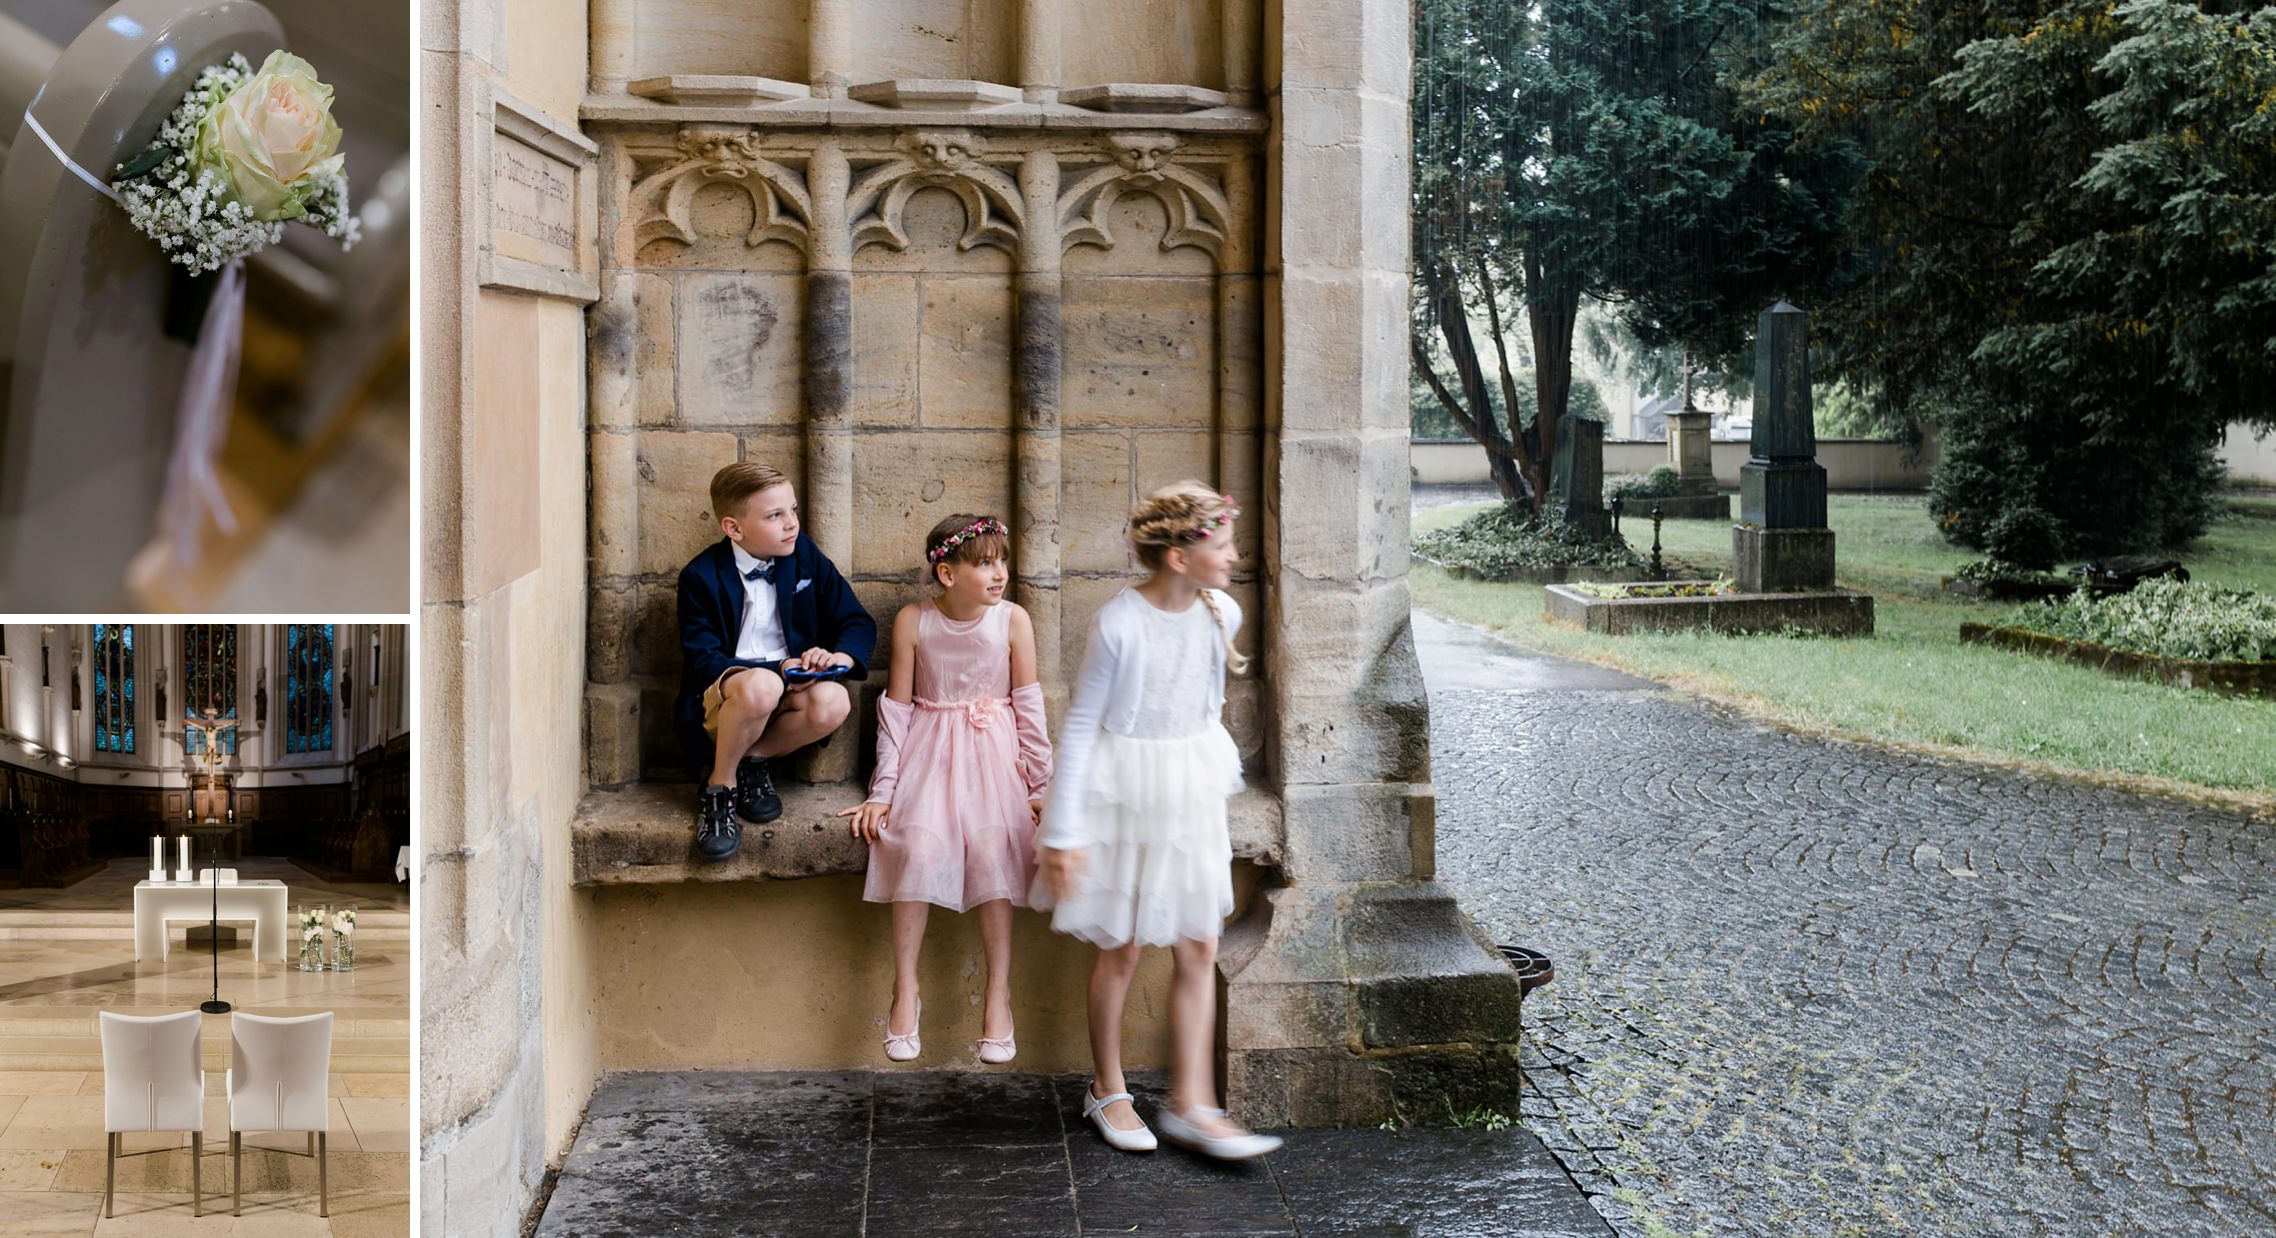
(143, 164)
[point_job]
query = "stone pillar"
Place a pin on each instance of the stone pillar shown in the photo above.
(1782, 544)
(1039, 53)
(1037, 370)
(828, 497)
(615, 35)
(1240, 20)
(1690, 452)
(1239, 329)
(829, 47)
(1358, 990)
(612, 534)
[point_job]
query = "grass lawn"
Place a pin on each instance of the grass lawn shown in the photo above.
(1913, 683)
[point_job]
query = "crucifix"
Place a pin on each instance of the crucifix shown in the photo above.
(211, 725)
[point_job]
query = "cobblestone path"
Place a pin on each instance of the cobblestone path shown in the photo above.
(1807, 987)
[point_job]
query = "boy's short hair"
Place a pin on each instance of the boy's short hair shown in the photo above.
(733, 486)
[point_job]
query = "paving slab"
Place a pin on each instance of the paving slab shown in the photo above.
(1007, 1155)
(1814, 987)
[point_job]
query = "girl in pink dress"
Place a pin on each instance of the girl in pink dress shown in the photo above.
(962, 760)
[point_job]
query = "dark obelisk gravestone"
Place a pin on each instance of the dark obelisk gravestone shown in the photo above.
(1782, 544)
(1576, 475)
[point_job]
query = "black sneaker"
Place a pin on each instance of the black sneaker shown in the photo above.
(717, 834)
(755, 800)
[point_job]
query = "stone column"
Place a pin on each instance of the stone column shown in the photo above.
(612, 364)
(1358, 989)
(1240, 27)
(1039, 52)
(1689, 452)
(1037, 370)
(828, 497)
(829, 46)
(1239, 331)
(1782, 544)
(615, 35)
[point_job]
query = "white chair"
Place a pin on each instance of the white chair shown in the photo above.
(152, 1082)
(276, 1082)
(228, 876)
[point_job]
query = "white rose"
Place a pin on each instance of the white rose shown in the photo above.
(271, 137)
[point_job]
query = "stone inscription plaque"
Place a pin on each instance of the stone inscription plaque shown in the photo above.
(533, 204)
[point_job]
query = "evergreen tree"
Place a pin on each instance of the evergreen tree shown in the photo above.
(1593, 148)
(2069, 227)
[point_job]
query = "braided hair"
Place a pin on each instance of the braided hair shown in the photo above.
(1182, 514)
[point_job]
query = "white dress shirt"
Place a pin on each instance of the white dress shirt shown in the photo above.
(761, 635)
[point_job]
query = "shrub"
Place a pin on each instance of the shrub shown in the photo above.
(1660, 483)
(1508, 538)
(2169, 618)
(2019, 488)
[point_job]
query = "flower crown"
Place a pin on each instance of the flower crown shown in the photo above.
(948, 545)
(1201, 529)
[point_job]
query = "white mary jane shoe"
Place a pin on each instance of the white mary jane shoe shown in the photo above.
(1186, 1133)
(1094, 1108)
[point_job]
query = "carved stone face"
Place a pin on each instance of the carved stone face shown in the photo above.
(728, 146)
(947, 151)
(1142, 154)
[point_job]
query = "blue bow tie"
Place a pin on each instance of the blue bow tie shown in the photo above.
(764, 571)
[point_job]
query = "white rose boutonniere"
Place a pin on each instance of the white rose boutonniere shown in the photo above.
(245, 152)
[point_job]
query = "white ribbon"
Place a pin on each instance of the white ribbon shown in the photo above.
(201, 420)
(65, 160)
(201, 415)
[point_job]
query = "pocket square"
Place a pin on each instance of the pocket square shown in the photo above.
(800, 587)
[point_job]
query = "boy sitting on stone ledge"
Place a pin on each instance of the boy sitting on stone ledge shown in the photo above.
(762, 611)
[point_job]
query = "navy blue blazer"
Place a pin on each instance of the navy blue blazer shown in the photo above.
(815, 603)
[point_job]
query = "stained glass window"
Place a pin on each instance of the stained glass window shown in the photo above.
(209, 679)
(308, 687)
(114, 687)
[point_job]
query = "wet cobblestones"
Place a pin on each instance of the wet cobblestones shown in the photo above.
(1807, 987)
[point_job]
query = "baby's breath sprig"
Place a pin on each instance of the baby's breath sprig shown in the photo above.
(193, 211)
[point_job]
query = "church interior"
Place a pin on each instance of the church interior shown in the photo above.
(269, 764)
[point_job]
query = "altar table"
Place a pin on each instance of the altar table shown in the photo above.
(262, 902)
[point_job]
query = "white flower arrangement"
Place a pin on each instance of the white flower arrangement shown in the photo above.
(311, 924)
(244, 153)
(344, 923)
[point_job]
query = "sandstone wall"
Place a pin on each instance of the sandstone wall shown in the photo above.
(506, 1045)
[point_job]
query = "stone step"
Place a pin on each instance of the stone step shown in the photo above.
(365, 918)
(343, 1063)
(645, 834)
(125, 932)
(80, 1021)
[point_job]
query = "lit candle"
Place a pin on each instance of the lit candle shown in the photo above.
(185, 865)
(158, 857)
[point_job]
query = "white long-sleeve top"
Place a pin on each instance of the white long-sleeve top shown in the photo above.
(1109, 691)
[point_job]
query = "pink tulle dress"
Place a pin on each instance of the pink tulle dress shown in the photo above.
(959, 763)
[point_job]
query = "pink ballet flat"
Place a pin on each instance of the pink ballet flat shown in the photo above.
(996, 1052)
(904, 1048)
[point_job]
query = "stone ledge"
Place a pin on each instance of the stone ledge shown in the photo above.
(627, 110)
(644, 834)
(1828, 612)
(2230, 678)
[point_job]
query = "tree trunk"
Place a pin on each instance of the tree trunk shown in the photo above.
(1477, 417)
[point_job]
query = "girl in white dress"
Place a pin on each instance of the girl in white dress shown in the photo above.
(1135, 850)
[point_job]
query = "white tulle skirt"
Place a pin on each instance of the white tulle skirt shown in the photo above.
(1160, 869)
